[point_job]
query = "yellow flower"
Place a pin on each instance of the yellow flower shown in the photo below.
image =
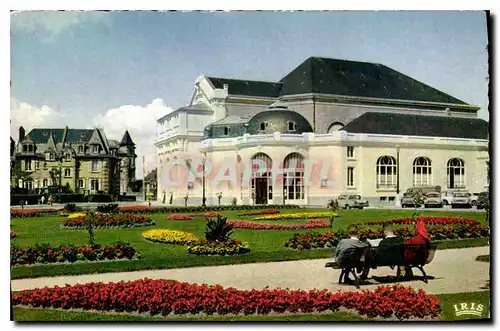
(77, 215)
(296, 216)
(170, 236)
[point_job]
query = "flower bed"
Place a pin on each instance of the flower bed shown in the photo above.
(207, 214)
(170, 236)
(45, 253)
(431, 220)
(168, 297)
(261, 212)
(108, 221)
(295, 216)
(312, 224)
(13, 234)
(229, 247)
(179, 217)
(437, 232)
(197, 209)
(31, 212)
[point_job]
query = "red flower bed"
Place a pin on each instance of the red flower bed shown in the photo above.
(312, 224)
(261, 212)
(45, 253)
(110, 220)
(174, 298)
(31, 212)
(12, 234)
(434, 220)
(179, 217)
(134, 208)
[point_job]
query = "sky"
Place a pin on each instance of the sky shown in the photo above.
(123, 70)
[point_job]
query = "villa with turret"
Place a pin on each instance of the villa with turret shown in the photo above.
(84, 160)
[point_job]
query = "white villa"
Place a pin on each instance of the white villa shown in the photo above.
(329, 127)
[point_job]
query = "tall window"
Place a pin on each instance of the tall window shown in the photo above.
(226, 130)
(350, 151)
(294, 176)
(67, 172)
(27, 165)
(456, 173)
(81, 149)
(94, 184)
(94, 165)
(386, 172)
(95, 149)
(80, 183)
(422, 172)
(37, 165)
(261, 179)
(67, 156)
(350, 176)
(45, 182)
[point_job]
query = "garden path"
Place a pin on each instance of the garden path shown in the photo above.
(454, 270)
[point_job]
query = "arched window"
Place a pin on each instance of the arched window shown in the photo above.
(293, 179)
(386, 172)
(262, 185)
(456, 173)
(422, 172)
(226, 130)
(291, 126)
(336, 126)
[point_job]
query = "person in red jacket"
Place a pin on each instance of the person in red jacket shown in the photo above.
(412, 253)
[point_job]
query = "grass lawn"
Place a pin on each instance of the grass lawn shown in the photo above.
(447, 302)
(265, 245)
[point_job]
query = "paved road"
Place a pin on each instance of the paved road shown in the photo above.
(454, 270)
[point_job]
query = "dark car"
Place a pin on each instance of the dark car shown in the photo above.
(482, 199)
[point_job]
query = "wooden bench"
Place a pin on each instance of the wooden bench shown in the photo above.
(394, 256)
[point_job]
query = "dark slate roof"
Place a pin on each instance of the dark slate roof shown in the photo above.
(40, 136)
(127, 140)
(358, 79)
(277, 121)
(419, 125)
(247, 87)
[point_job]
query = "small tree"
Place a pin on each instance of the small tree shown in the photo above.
(89, 225)
(186, 198)
(418, 200)
(234, 201)
(219, 197)
(333, 204)
(218, 229)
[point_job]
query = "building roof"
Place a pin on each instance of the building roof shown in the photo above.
(74, 135)
(358, 79)
(247, 87)
(113, 143)
(127, 140)
(419, 125)
(232, 119)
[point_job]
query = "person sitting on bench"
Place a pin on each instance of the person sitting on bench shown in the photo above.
(388, 247)
(342, 249)
(413, 253)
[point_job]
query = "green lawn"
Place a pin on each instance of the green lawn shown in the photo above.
(447, 304)
(265, 245)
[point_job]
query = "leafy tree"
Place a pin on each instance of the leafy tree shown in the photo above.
(17, 174)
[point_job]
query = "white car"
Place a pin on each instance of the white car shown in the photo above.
(433, 199)
(461, 199)
(352, 201)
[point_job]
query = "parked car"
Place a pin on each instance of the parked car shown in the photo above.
(352, 201)
(447, 195)
(482, 199)
(433, 199)
(473, 198)
(407, 200)
(461, 199)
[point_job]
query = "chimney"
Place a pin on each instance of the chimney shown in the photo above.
(21, 133)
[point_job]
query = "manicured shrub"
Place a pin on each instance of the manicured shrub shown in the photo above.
(167, 297)
(77, 221)
(224, 247)
(44, 253)
(109, 208)
(170, 236)
(70, 208)
(312, 224)
(197, 209)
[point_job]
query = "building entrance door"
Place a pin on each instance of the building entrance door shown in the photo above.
(261, 191)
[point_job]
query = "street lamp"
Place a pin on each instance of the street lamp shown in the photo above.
(203, 199)
(398, 202)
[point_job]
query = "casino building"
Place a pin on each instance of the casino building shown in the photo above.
(328, 127)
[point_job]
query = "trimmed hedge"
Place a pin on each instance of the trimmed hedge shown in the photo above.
(98, 198)
(195, 209)
(32, 199)
(127, 198)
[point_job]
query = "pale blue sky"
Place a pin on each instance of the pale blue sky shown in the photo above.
(82, 64)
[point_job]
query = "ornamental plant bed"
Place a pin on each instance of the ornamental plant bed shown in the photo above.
(431, 220)
(109, 221)
(179, 217)
(166, 236)
(227, 247)
(437, 232)
(295, 216)
(261, 212)
(197, 209)
(44, 253)
(31, 212)
(312, 224)
(171, 298)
